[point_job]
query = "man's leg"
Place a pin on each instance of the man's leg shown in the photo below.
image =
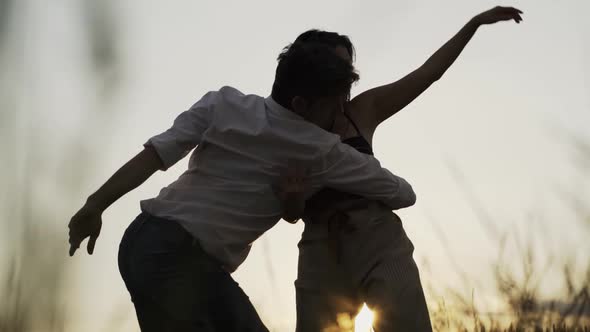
(175, 286)
(230, 308)
(148, 317)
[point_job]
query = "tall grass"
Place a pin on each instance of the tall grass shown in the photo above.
(519, 287)
(33, 245)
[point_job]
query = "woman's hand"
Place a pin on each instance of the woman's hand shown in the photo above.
(498, 14)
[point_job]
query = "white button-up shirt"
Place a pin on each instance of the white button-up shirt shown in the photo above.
(226, 199)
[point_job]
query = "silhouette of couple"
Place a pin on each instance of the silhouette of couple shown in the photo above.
(303, 152)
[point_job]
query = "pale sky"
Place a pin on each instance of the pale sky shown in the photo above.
(501, 115)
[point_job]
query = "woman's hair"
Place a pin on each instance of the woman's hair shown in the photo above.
(311, 70)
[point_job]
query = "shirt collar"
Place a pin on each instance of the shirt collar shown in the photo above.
(276, 107)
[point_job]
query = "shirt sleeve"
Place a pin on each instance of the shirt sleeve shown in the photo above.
(186, 131)
(345, 169)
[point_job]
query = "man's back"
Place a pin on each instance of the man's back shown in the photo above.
(226, 199)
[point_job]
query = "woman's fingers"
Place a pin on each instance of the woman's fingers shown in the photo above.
(508, 13)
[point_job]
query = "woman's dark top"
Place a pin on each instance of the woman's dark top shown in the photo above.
(327, 197)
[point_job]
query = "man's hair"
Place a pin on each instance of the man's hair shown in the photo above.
(332, 39)
(311, 70)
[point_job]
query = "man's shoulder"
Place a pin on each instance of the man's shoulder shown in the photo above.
(228, 98)
(227, 90)
(227, 93)
(230, 92)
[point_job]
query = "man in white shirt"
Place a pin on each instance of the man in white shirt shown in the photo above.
(177, 255)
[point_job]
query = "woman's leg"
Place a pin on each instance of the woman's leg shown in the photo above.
(376, 266)
(394, 292)
(389, 279)
(327, 301)
(323, 311)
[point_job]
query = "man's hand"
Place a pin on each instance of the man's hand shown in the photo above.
(85, 223)
(292, 190)
(498, 14)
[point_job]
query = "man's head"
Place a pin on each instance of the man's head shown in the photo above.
(341, 43)
(313, 81)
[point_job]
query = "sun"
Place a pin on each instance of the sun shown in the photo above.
(363, 322)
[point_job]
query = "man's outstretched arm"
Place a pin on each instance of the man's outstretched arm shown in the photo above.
(87, 221)
(161, 152)
(356, 173)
